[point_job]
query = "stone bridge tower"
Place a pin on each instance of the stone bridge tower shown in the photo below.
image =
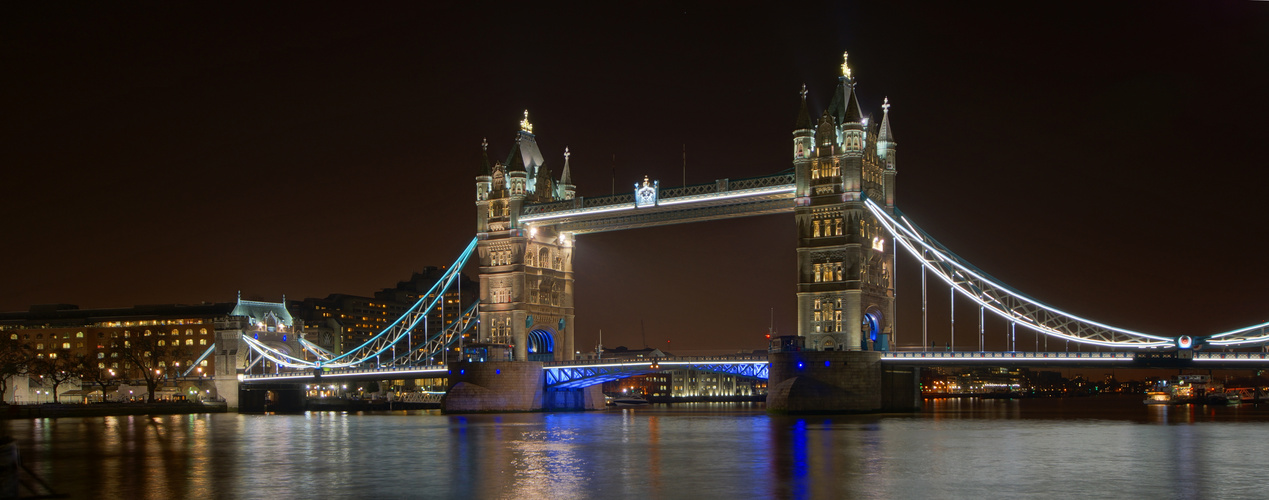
(526, 271)
(846, 283)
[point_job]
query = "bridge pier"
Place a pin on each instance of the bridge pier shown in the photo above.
(839, 382)
(511, 386)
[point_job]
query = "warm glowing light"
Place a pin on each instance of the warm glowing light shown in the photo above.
(845, 67)
(524, 124)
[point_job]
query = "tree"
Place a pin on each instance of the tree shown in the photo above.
(15, 359)
(91, 373)
(149, 354)
(60, 367)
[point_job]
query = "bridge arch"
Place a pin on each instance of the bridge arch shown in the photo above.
(541, 343)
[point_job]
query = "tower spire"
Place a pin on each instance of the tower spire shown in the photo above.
(804, 116)
(484, 157)
(885, 135)
(566, 177)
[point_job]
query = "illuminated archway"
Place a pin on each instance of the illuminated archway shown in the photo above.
(541, 344)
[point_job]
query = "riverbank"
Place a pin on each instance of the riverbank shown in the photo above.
(51, 410)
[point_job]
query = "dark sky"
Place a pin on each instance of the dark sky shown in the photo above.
(1106, 158)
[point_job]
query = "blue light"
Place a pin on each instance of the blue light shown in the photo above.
(800, 365)
(826, 363)
(460, 372)
(498, 372)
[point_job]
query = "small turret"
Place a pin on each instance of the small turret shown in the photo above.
(567, 190)
(517, 177)
(803, 131)
(885, 138)
(484, 177)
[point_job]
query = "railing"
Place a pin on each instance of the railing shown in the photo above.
(665, 196)
(1005, 356)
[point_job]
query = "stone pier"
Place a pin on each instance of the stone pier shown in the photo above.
(511, 386)
(840, 382)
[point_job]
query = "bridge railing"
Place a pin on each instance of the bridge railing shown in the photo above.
(675, 359)
(665, 196)
(1005, 355)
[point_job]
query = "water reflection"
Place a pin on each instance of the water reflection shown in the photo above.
(956, 448)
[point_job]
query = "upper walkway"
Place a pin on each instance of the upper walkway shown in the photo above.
(650, 206)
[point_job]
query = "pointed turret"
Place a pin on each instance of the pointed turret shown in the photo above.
(885, 138)
(485, 170)
(484, 178)
(567, 190)
(803, 131)
(804, 116)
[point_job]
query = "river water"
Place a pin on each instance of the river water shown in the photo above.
(1055, 448)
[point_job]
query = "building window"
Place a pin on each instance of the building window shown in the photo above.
(79, 335)
(66, 345)
(101, 355)
(39, 346)
(13, 336)
(191, 341)
(101, 365)
(202, 341)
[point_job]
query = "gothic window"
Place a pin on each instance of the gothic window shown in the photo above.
(815, 233)
(839, 271)
(817, 273)
(839, 226)
(544, 257)
(837, 320)
(817, 304)
(528, 259)
(817, 316)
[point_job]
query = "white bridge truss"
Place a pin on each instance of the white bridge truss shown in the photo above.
(1022, 310)
(399, 335)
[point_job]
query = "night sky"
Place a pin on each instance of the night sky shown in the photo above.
(1106, 159)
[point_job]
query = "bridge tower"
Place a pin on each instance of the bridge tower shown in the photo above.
(526, 270)
(845, 262)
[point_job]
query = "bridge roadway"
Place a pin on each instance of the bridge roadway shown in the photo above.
(582, 373)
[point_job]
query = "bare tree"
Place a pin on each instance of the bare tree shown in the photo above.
(90, 372)
(15, 359)
(149, 354)
(60, 367)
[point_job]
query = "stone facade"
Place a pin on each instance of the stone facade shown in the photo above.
(526, 271)
(845, 261)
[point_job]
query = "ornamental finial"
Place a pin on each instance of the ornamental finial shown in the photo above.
(845, 65)
(885, 105)
(524, 124)
(566, 153)
(803, 92)
(484, 144)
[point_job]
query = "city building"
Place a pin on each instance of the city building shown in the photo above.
(172, 343)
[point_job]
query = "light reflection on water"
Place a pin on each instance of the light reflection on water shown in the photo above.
(955, 448)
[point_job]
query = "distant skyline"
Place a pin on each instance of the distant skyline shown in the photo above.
(1105, 159)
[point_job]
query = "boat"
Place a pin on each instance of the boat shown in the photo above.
(629, 401)
(1158, 398)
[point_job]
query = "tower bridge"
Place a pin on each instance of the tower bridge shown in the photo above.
(841, 191)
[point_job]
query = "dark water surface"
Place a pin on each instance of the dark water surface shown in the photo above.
(1063, 448)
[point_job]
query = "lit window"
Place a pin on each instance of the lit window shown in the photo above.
(39, 346)
(13, 336)
(101, 365)
(202, 341)
(101, 355)
(189, 341)
(203, 363)
(66, 345)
